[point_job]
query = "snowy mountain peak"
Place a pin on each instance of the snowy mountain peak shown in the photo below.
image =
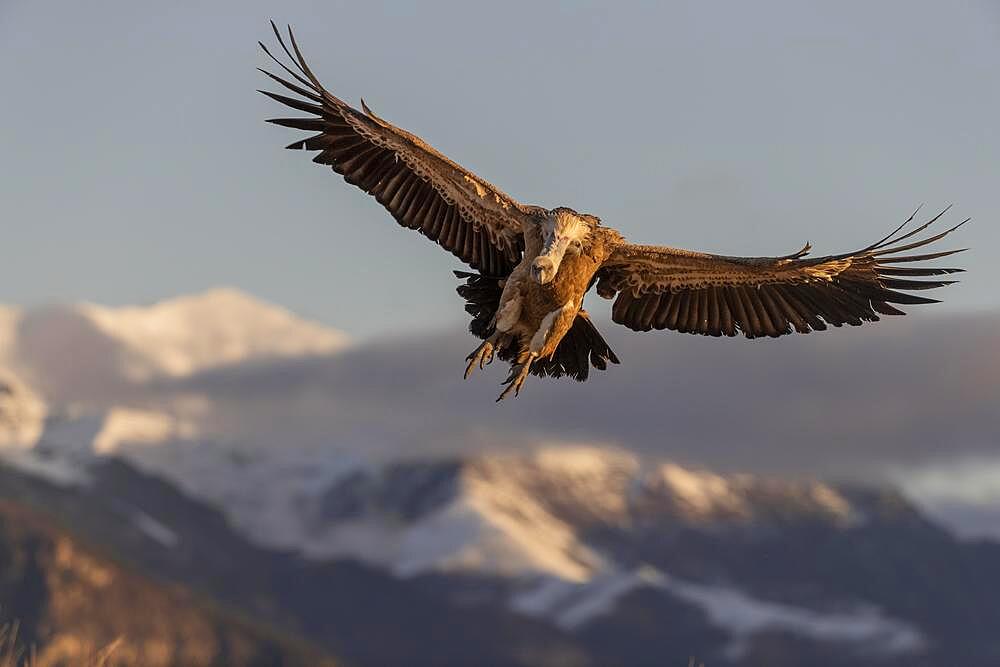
(222, 326)
(529, 514)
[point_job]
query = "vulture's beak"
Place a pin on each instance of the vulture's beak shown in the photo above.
(543, 270)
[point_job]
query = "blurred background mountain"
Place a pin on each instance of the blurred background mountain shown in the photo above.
(266, 490)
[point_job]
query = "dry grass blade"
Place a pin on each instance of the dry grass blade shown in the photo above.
(11, 655)
(14, 655)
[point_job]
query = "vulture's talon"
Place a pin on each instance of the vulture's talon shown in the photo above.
(518, 374)
(479, 356)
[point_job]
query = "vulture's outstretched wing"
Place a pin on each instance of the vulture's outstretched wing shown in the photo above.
(692, 292)
(421, 188)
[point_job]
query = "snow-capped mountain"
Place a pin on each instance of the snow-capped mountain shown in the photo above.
(84, 351)
(528, 515)
(380, 454)
(593, 544)
(188, 334)
(85, 380)
(567, 534)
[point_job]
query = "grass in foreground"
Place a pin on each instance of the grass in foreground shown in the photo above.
(12, 654)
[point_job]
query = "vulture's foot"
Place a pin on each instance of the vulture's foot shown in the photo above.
(482, 355)
(518, 374)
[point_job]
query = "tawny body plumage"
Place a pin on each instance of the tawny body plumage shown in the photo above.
(534, 317)
(532, 266)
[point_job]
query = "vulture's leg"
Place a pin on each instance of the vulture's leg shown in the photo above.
(556, 322)
(506, 317)
(508, 313)
(518, 374)
(483, 354)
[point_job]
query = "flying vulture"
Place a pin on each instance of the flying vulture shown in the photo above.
(531, 266)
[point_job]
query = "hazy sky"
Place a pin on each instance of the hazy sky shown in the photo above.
(135, 163)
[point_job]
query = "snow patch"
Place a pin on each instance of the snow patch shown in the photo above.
(572, 605)
(468, 534)
(131, 427)
(699, 492)
(963, 495)
(155, 529)
(54, 469)
(744, 616)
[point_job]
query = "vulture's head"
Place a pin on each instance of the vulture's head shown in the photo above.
(564, 232)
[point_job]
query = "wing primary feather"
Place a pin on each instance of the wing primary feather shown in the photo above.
(294, 103)
(918, 244)
(282, 65)
(915, 271)
(919, 228)
(281, 41)
(885, 309)
(899, 283)
(291, 86)
(919, 258)
(302, 63)
(891, 296)
(893, 232)
(307, 124)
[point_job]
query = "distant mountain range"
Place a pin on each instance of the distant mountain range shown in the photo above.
(222, 456)
(585, 558)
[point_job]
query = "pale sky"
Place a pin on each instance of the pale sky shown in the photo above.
(135, 163)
